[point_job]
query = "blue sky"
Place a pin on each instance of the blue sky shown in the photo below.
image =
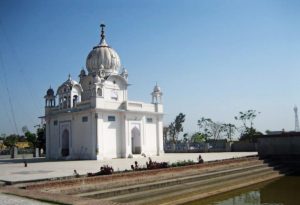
(211, 58)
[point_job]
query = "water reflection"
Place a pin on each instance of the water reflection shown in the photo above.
(284, 191)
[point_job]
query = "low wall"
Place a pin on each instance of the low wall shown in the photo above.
(241, 146)
(282, 149)
(279, 145)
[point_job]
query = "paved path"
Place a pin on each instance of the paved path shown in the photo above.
(6, 199)
(14, 170)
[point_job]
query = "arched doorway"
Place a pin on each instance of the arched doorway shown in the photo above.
(65, 143)
(135, 140)
(75, 100)
(65, 102)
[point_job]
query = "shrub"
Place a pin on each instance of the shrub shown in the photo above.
(104, 170)
(156, 165)
(149, 165)
(182, 163)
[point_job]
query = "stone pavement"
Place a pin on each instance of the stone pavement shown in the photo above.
(37, 169)
(6, 199)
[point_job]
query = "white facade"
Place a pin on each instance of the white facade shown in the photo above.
(93, 119)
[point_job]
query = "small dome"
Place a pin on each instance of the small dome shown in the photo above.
(103, 55)
(67, 85)
(156, 88)
(50, 92)
(156, 94)
(82, 73)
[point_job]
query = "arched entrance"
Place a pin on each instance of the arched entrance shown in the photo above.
(65, 143)
(135, 140)
(75, 100)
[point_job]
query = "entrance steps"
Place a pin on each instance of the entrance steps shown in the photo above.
(177, 192)
(87, 185)
(180, 187)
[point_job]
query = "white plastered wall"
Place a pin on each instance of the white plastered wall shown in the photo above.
(150, 138)
(109, 135)
(80, 139)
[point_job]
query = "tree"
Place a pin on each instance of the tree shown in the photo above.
(176, 127)
(32, 139)
(217, 129)
(198, 137)
(41, 138)
(229, 130)
(204, 124)
(2, 136)
(247, 118)
(185, 137)
(165, 133)
(250, 135)
(210, 129)
(248, 132)
(10, 141)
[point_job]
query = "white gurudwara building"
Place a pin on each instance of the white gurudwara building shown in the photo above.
(93, 118)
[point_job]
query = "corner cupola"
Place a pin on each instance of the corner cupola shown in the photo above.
(156, 95)
(69, 94)
(50, 98)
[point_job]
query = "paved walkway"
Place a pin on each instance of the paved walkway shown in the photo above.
(6, 199)
(14, 170)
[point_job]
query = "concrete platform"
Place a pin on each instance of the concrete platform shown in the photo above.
(13, 171)
(15, 200)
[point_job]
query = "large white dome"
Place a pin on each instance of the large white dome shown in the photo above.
(103, 55)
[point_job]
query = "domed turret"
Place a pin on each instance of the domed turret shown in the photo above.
(69, 93)
(68, 85)
(156, 94)
(82, 73)
(156, 88)
(50, 92)
(104, 55)
(49, 98)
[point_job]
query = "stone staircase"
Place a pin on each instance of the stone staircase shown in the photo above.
(187, 186)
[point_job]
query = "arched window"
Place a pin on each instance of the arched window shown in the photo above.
(75, 100)
(65, 102)
(99, 92)
(136, 141)
(65, 143)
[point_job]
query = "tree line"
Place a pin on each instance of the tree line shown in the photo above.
(35, 140)
(212, 130)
